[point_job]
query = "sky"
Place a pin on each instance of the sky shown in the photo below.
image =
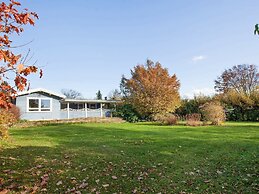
(87, 45)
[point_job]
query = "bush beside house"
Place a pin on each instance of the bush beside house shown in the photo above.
(7, 119)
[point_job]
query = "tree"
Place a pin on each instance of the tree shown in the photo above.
(239, 88)
(151, 90)
(192, 106)
(115, 95)
(13, 71)
(243, 79)
(123, 87)
(71, 94)
(239, 106)
(99, 95)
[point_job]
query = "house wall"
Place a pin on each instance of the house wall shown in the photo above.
(21, 102)
(56, 112)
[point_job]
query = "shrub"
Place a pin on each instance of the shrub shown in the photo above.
(191, 106)
(213, 112)
(126, 112)
(168, 119)
(16, 112)
(7, 119)
(193, 119)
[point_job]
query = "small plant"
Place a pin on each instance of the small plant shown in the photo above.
(7, 119)
(213, 112)
(193, 119)
(168, 119)
(171, 119)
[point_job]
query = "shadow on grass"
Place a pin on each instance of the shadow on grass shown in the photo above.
(91, 151)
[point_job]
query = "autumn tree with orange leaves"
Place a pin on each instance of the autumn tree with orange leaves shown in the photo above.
(13, 70)
(151, 90)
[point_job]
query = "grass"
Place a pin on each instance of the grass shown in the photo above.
(131, 158)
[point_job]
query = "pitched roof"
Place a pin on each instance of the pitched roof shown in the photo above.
(41, 90)
(63, 97)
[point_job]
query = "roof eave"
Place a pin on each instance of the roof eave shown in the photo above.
(41, 90)
(89, 100)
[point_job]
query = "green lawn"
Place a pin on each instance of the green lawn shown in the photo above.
(142, 157)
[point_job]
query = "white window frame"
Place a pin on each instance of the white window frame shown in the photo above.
(39, 108)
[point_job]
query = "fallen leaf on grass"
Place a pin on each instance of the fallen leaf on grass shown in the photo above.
(5, 191)
(39, 166)
(44, 180)
(114, 177)
(8, 171)
(44, 190)
(106, 185)
(30, 190)
(59, 183)
(34, 189)
(12, 186)
(83, 185)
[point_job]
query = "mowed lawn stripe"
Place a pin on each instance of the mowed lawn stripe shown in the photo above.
(141, 157)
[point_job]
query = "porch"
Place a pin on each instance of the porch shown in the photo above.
(74, 108)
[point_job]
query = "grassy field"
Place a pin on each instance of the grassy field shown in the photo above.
(131, 158)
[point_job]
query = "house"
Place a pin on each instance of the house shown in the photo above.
(42, 104)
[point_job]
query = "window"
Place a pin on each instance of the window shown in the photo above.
(92, 106)
(45, 105)
(63, 106)
(76, 106)
(73, 106)
(33, 104)
(39, 104)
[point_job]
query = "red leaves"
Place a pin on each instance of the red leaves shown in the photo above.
(28, 70)
(15, 2)
(12, 21)
(6, 94)
(31, 21)
(20, 82)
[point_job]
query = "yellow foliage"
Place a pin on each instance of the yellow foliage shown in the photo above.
(213, 112)
(152, 90)
(7, 119)
(240, 99)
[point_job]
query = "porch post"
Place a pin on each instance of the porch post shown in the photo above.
(85, 110)
(101, 109)
(68, 110)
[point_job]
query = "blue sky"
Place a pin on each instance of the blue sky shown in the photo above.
(87, 45)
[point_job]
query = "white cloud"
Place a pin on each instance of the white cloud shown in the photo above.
(205, 91)
(199, 91)
(198, 58)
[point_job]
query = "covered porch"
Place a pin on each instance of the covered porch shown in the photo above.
(77, 108)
